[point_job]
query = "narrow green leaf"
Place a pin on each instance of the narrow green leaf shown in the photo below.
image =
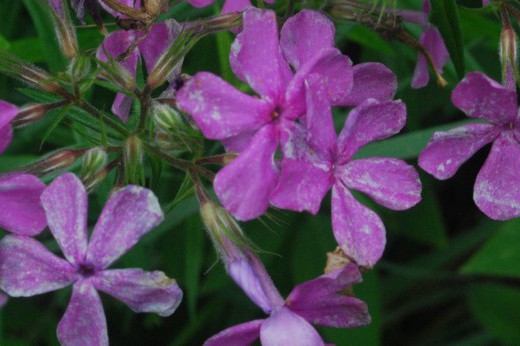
(445, 16)
(57, 120)
(4, 44)
(195, 250)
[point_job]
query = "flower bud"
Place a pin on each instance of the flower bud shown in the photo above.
(91, 182)
(29, 114)
(114, 72)
(155, 7)
(94, 161)
(65, 32)
(166, 117)
(172, 132)
(508, 56)
(53, 162)
(79, 68)
(133, 152)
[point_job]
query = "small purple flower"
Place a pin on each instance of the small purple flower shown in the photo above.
(321, 301)
(497, 188)
(255, 126)
(7, 113)
(432, 41)
(160, 37)
(229, 5)
(27, 268)
(22, 212)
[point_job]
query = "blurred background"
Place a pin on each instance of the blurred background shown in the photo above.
(449, 275)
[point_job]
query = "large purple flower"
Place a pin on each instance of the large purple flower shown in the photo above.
(157, 41)
(254, 126)
(27, 268)
(321, 301)
(229, 5)
(497, 188)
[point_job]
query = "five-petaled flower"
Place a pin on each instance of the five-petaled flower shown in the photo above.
(497, 188)
(27, 268)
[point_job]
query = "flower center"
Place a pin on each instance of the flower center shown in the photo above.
(86, 270)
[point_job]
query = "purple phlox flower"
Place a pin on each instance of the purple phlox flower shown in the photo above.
(315, 160)
(229, 5)
(253, 126)
(22, 212)
(497, 188)
(7, 113)
(27, 268)
(322, 301)
(432, 41)
(158, 40)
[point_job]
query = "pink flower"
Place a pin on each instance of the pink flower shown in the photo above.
(27, 268)
(255, 126)
(497, 188)
(7, 113)
(229, 5)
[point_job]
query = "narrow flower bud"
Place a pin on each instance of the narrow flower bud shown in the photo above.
(94, 161)
(29, 114)
(91, 182)
(79, 68)
(53, 162)
(65, 32)
(115, 73)
(133, 152)
(155, 7)
(509, 56)
(172, 132)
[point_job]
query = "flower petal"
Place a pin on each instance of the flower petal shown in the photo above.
(256, 57)
(20, 200)
(220, 110)
(122, 106)
(240, 335)
(433, 42)
(66, 206)
(448, 150)
(239, 142)
(158, 40)
(129, 3)
(285, 328)
(141, 291)
(200, 3)
(497, 188)
(371, 80)
(84, 322)
(305, 34)
(6, 136)
(321, 301)
(231, 6)
(481, 97)
(390, 182)
(245, 185)
(358, 230)
(115, 44)
(7, 113)
(27, 268)
(370, 121)
(128, 215)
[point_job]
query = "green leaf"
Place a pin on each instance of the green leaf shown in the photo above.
(57, 120)
(497, 308)
(445, 16)
(500, 255)
(195, 250)
(4, 44)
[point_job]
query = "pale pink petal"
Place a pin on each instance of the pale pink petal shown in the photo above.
(358, 230)
(128, 215)
(328, 69)
(158, 40)
(371, 80)
(20, 202)
(285, 328)
(141, 291)
(27, 268)
(323, 300)
(66, 206)
(390, 182)
(245, 185)
(256, 56)
(231, 6)
(448, 150)
(240, 335)
(497, 188)
(481, 97)
(220, 110)
(305, 34)
(432, 41)
(84, 322)
(368, 122)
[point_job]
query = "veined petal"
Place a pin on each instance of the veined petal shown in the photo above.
(220, 110)
(358, 230)
(497, 188)
(66, 206)
(84, 322)
(305, 34)
(448, 150)
(433, 42)
(371, 81)
(141, 291)
(158, 40)
(256, 57)
(285, 328)
(245, 185)
(240, 335)
(27, 268)
(368, 122)
(390, 182)
(481, 97)
(20, 200)
(128, 215)
(323, 300)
